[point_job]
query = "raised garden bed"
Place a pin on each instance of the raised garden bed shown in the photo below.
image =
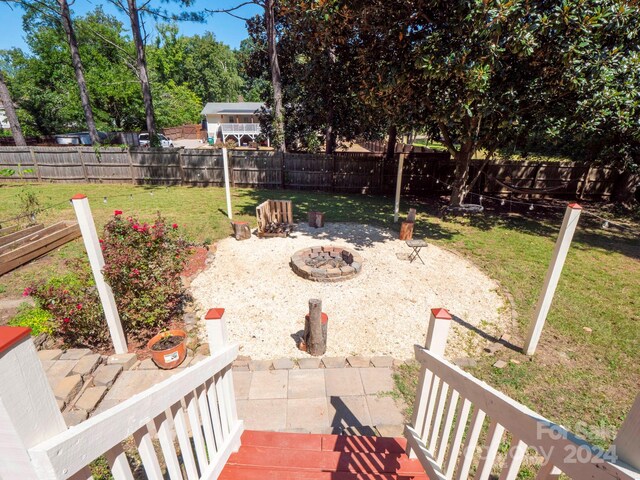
(20, 247)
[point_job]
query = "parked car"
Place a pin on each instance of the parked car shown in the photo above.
(164, 141)
(78, 138)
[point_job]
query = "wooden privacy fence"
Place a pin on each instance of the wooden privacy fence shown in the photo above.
(424, 173)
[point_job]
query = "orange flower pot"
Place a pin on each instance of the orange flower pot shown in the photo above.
(170, 357)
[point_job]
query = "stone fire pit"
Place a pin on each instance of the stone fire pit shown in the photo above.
(326, 264)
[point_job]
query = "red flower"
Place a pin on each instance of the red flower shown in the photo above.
(175, 225)
(27, 291)
(79, 306)
(117, 212)
(101, 240)
(136, 227)
(66, 319)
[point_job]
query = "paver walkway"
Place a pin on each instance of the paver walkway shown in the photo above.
(351, 392)
(318, 400)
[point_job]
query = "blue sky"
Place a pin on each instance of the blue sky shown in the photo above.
(226, 28)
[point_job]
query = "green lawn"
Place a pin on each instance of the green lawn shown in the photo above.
(575, 376)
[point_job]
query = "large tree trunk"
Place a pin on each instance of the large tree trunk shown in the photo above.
(77, 66)
(460, 186)
(10, 112)
(392, 133)
(141, 65)
(278, 114)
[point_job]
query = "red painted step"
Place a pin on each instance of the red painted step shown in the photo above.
(311, 441)
(241, 472)
(356, 462)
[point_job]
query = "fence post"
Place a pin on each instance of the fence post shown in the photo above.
(29, 412)
(569, 224)
(35, 163)
(396, 208)
(225, 164)
(218, 338)
(96, 260)
(626, 447)
(437, 334)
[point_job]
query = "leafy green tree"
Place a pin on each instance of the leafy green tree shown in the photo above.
(476, 73)
(208, 67)
(176, 105)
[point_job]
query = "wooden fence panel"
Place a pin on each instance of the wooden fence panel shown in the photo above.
(424, 173)
(357, 172)
(202, 167)
(308, 171)
(107, 165)
(62, 163)
(17, 159)
(260, 168)
(157, 166)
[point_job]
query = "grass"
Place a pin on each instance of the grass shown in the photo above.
(574, 377)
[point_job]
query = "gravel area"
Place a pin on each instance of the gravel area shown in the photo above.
(382, 311)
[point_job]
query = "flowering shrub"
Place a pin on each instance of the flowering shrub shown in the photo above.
(74, 307)
(143, 263)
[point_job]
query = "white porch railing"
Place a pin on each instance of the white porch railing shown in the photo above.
(453, 410)
(240, 128)
(196, 407)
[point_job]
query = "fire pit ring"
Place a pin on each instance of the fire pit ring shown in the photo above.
(326, 264)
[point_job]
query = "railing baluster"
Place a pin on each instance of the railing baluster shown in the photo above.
(147, 453)
(470, 443)
(489, 451)
(514, 459)
(448, 422)
(548, 472)
(422, 397)
(118, 463)
(462, 416)
(165, 436)
(437, 419)
(182, 432)
(222, 403)
(214, 410)
(196, 430)
(207, 421)
(431, 406)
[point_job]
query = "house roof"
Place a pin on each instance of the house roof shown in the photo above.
(245, 108)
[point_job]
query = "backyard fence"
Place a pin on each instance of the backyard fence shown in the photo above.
(424, 173)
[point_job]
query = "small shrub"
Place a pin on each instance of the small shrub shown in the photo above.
(36, 318)
(73, 303)
(143, 263)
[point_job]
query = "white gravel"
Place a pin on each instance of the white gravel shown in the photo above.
(382, 311)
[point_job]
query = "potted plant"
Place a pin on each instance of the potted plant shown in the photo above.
(168, 348)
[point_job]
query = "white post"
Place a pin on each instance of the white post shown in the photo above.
(218, 338)
(626, 446)
(29, 412)
(437, 334)
(396, 208)
(225, 161)
(94, 252)
(560, 251)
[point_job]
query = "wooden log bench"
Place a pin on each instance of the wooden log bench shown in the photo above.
(272, 213)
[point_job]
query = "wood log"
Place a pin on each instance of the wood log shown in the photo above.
(315, 329)
(406, 231)
(316, 219)
(241, 230)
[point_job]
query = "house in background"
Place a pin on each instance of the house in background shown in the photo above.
(233, 120)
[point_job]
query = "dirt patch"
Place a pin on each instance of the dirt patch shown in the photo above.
(196, 262)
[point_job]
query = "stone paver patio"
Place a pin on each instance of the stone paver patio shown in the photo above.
(277, 396)
(318, 400)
